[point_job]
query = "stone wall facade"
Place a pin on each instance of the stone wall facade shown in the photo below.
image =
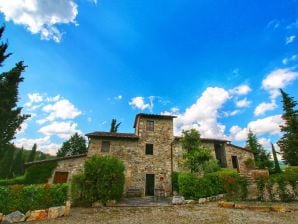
(157, 164)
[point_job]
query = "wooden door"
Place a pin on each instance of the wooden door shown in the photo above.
(60, 177)
(150, 184)
(235, 163)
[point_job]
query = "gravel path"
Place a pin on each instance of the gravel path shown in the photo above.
(208, 213)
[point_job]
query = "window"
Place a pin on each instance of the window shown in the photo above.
(150, 125)
(105, 147)
(60, 177)
(149, 149)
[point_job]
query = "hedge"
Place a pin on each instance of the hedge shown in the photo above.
(102, 180)
(32, 197)
(35, 174)
(225, 181)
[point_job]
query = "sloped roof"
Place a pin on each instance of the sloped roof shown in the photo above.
(112, 135)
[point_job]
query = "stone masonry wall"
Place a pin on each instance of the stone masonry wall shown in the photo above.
(72, 166)
(132, 153)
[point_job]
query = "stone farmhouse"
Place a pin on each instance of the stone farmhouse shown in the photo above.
(150, 155)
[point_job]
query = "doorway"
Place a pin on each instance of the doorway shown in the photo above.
(235, 163)
(60, 177)
(150, 179)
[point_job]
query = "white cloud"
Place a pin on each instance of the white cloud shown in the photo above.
(139, 102)
(267, 125)
(33, 98)
(203, 114)
(290, 39)
(118, 97)
(231, 113)
(61, 129)
(62, 109)
(53, 99)
(240, 90)
(243, 103)
(278, 79)
(294, 57)
(263, 107)
(41, 16)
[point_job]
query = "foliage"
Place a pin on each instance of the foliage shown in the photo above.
(289, 141)
(226, 181)
(210, 166)
(10, 115)
(276, 163)
(250, 163)
(261, 186)
(262, 158)
(114, 126)
(6, 163)
(195, 153)
(18, 164)
(102, 180)
(32, 154)
(175, 185)
(76, 145)
(32, 197)
(35, 174)
(291, 175)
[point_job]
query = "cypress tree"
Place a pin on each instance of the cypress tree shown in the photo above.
(10, 115)
(114, 126)
(276, 163)
(18, 164)
(6, 163)
(32, 154)
(289, 141)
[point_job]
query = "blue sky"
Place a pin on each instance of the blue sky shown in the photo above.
(217, 65)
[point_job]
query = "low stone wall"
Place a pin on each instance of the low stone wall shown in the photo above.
(51, 213)
(179, 200)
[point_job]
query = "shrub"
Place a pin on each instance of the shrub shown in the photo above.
(291, 175)
(175, 185)
(102, 180)
(31, 197)
(210, 166)
(250, 163)
(188, 183)
(261, 187)
(35, 174)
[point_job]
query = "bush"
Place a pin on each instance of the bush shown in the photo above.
(261, 187)
(31, 197)
(102, 180)
(175, 185)
(225, 181)
(250, 163)
(291, 175)
(35, 174)
(211, 166)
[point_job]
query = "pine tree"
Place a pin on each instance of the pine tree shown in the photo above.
(114, 126)
(289, 141)
(262, 158)
(32, 154)
(76, 145)
(10, 115)
(276, 163)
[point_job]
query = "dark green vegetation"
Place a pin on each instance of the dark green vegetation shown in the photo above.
(289, 141)
(197, 158)
(35, 174)
(76, 145)
(102, 180)
(224, 181)
(262, 158)
(31, 197)
(114, 126)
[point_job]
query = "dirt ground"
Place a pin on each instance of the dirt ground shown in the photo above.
(208, 213)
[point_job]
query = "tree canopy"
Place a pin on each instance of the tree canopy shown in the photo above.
(76, 145)
(114, 126)
(11, 117)
(289, 141)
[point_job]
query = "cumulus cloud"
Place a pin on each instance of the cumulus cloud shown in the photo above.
(61, 129)
(243, 103)
(119, 97)
(263, 107)
(278, 79)
(231, 113)
(267, 125)
(139, 103)
(62, 109)
(33, 99)
(41, 16)
(240, 90)
(290, 39)
(203, 114)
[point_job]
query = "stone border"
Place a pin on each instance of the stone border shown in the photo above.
(50, 213)
(179, 200)
(255, 207)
